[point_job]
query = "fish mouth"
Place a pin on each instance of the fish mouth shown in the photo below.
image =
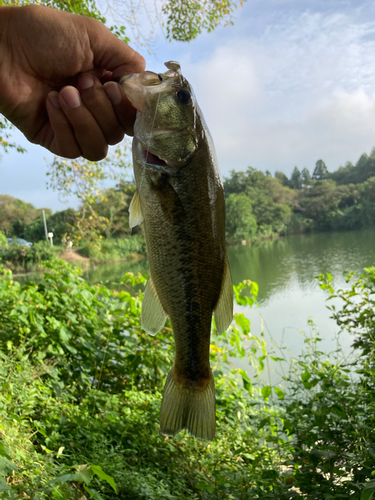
(153, 159)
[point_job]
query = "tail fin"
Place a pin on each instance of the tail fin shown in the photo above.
(185, 406)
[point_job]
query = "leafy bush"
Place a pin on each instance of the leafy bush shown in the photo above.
(81, 390)
(3, 240)
(112, 249)
(21, 256)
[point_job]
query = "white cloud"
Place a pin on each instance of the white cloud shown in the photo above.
(303, 90)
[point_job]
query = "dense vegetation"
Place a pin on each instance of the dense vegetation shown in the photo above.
(257, 206)
(262, 206)
(16, 215)
(81, 391)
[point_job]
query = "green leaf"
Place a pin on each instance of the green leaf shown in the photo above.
(6, 466)
(84, 474)
(205, 487)
(280, 393)
(64, 478)
(4, 451)
(368, 490)
(305, 376)
(102, 475)
(266, 391)
(95, 495)
(3, 485)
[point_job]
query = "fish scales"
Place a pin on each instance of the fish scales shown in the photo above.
(180, 199)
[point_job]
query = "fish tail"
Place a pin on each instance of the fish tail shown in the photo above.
(188, 406)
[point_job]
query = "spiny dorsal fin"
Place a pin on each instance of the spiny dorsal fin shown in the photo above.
(153, 315)
(223, 311)
(135, 212)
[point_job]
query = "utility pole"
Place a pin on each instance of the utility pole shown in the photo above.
(45, 224)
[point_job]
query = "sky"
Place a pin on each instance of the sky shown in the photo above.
(289, 83)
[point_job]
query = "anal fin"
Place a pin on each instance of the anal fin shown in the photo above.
(223, 311)
(153, 315)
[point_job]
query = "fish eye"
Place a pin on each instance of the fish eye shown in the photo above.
(183, 96)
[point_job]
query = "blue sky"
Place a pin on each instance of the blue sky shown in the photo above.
(289, 83)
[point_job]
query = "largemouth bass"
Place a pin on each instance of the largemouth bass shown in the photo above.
(180, 199)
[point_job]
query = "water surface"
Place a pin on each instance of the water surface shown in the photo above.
(289, 294)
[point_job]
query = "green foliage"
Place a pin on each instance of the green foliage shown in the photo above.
(3, 240)
(24, 257)
(81, 391)
(241, 223)
(113, 249)
(5, 127)
(16, 214)
(320, 171)
(357, 315)
(187, 19)
(296, 179)
(60, 223)
(267, 211)
(81, 385)
(339, 200)
(355, 174)
(306, 178)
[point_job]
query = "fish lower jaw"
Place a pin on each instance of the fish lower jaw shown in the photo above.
(153, 159)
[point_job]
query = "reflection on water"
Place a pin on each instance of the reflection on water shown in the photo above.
(111, 272)
(281, 266)
(289, 294)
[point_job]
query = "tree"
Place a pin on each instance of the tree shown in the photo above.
(60, 224)
(296, 179)
(16, 214)
(306, 177)
(320, 171)
(241, 223)
(282, 178)
(186, 19)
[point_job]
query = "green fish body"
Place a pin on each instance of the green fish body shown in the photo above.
(180, 199)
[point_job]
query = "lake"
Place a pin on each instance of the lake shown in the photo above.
(289, 294)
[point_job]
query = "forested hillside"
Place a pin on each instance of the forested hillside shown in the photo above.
(261, 206)
(258, 205)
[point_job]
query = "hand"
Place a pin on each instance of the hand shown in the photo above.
(52, 66)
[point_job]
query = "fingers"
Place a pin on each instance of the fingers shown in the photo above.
(75, 130)
(61, 138)
(122, 107)
(97, 102)
(85, 121)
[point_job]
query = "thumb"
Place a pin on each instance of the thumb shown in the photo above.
(111, 53)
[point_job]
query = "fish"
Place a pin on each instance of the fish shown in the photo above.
(179, 198)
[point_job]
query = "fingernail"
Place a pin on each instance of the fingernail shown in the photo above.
(71, 97)
(54, 98)
(113, 92)
(85, 82)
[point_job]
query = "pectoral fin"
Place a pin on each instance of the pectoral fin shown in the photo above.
(223, 311)
(153, 315)
(135, 212)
